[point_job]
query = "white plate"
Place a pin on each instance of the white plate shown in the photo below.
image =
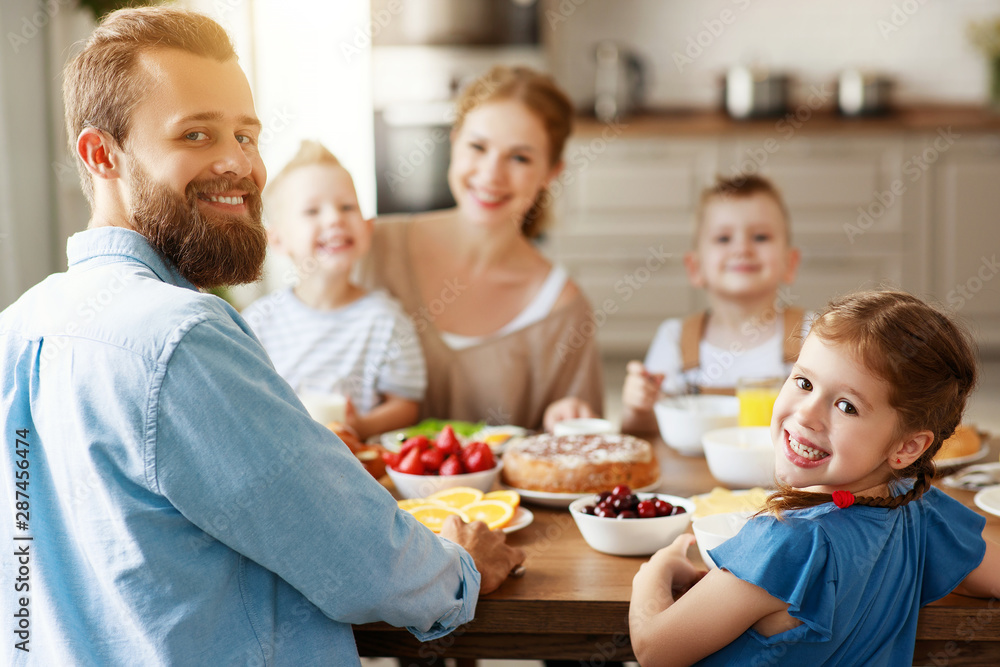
(974, 478)
(962, 460)
(988, 500)
(547, 499)
(522, 519)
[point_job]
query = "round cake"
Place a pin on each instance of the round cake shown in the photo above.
(579, 463)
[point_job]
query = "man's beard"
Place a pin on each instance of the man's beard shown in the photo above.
(209, 250)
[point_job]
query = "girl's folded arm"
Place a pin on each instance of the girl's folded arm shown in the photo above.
(709, 616)
(984, 581)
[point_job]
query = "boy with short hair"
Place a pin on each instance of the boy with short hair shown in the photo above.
(326, 333)
(742, 255)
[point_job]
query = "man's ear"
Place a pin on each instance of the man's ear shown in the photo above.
(99, 153)
(910, 449)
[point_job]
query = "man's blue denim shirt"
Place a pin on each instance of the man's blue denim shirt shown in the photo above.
(180, 506)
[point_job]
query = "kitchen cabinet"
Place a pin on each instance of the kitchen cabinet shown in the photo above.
(626, 215)
(909, 200)
(963, 188)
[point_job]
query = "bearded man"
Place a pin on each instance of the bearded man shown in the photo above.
(179, 505)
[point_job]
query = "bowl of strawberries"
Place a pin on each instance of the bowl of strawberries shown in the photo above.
(424, 466)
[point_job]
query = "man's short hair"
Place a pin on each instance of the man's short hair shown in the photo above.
(101, 85)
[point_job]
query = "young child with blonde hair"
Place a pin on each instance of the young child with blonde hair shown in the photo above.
(742, 255)
(856, 540)
(327, 334)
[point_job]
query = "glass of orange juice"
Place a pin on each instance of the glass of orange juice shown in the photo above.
(756, 396)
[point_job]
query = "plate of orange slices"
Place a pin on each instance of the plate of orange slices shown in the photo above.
(499, 510)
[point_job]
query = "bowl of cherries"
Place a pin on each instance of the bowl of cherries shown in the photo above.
(622, 523)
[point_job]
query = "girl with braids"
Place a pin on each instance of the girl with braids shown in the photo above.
(855, 540)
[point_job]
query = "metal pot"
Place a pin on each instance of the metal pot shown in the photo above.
(755, 93)
(860, 94)
(619, 82)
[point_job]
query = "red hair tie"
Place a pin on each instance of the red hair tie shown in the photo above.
(843, 499)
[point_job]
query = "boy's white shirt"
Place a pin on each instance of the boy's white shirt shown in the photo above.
(719, 367)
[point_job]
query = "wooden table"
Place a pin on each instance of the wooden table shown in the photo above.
(573, 601)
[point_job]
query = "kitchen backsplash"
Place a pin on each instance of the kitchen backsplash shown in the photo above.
(688, 45)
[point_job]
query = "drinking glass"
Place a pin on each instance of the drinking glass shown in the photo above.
(756, 396)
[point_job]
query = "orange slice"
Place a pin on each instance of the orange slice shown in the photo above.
(512, 498)
(459, 496)
(410, 503)
(433, 516)
(494, 513)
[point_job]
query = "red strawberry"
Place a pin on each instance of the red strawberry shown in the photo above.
(479, 458)
(452, 466)
(432, 459)
(418, 442)
(391, 459)
(411, 463)
(447, 442)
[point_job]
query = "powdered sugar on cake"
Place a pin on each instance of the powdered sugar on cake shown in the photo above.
(573, 451)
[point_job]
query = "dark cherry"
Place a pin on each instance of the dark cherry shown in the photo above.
(646, 509)
(605, 512)
(621, 490)
(621, 504)
(589, 509)
(603, 496)
(662, 507)
(628, 514)
(677, 509)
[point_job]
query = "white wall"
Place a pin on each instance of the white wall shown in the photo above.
(27, 242)
(922, 43)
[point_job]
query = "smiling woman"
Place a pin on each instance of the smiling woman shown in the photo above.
(507, 336)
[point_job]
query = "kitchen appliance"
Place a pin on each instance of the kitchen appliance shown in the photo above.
(755, 93)
(619, 82)
(453, 22)
(863, 94)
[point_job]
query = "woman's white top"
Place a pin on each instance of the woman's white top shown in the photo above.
(540, 306)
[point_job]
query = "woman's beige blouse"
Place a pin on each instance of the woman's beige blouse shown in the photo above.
(509, 379)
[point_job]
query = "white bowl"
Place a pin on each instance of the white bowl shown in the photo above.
(421, 486)
(583, 426)
(631, 537)
(714, 529)
(683, 420)
(741, 457)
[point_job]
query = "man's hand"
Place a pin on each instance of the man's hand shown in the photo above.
(570, 407)
(489, 550)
